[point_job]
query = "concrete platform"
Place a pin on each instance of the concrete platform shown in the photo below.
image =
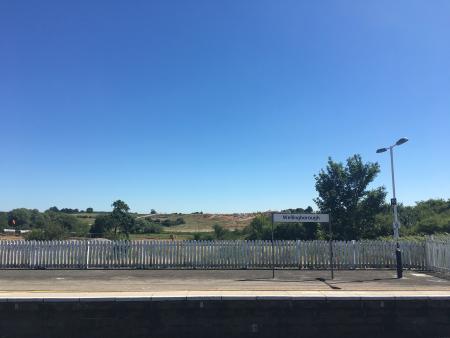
(175, 284)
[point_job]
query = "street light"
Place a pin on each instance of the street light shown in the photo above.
(396, 225)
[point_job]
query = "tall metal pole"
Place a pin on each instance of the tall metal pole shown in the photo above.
(396, 225)
(273, 252)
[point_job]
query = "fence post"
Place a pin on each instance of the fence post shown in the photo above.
(87, 254)
(354, 253)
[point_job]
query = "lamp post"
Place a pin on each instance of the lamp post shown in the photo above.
(396, 224)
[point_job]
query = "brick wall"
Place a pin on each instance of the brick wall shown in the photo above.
(226, 318)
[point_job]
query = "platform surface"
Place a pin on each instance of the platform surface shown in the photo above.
(151, 285)
(123, 285)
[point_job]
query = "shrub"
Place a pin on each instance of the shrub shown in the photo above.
(180, 220)
(219, 231)
(52, 232)
(145, 227)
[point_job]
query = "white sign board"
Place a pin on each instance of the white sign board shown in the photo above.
(296, 218)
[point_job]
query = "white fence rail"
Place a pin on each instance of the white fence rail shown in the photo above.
(438, 255)
(92, 254)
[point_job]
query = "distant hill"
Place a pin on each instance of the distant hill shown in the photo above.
(193, 222)
(204, 222)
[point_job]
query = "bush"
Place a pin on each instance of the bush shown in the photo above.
(101, 226)
(259, 228)
(180, 220)
(166, 223)
(52, 232)
(145, 227)
(203, 236)
(219, 231)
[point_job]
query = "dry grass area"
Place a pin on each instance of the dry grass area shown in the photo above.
(7, 237)
(205, 222)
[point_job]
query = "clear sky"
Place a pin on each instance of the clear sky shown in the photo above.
(220, 106)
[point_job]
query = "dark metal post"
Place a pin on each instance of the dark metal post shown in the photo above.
(398, 256)
(331, 246)
(273, 252)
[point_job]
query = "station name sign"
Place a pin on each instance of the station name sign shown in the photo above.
(295, 218)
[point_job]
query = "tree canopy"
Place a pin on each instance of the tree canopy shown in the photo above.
(344, 193)
(119, 222)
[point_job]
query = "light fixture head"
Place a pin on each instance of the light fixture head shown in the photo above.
(381, 150)
(401, 141)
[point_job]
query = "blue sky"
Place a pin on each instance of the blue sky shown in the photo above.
(220, 106)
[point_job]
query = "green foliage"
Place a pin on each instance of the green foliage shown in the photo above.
(168, 222)
(259, 228)
(51, 232)
(69, 211)
(358, 213)
(143, 226)
(68, 222)
(343, 192)
(3, 220)
(89, 210)
(116, 225)
(102, 225)
(120, 206)
(153, 211)
(21, 217)
(219, 232)
(295, 231)
(47, 225)
(425, 218)
(203, 236)
(121, 219)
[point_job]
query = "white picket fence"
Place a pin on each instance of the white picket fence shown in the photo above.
(93, 254)
(438, 255)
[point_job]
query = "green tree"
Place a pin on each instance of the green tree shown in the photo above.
(259, 228)
(343, 192)
(51, 232)
(89, 210)
(38, 219)
(180, 220)
(121, 218)
(144, 226)
(153, 211)
(290, 231)
(3, 220)
(102, 225)
(219, 231)
(19, 218)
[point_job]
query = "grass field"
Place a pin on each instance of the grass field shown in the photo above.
(202, 223)
(205, 222)
(164, 235)
(194, 223)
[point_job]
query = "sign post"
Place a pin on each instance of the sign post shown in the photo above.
(303, 218)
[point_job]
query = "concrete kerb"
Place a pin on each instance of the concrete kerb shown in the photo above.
(228, 296)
